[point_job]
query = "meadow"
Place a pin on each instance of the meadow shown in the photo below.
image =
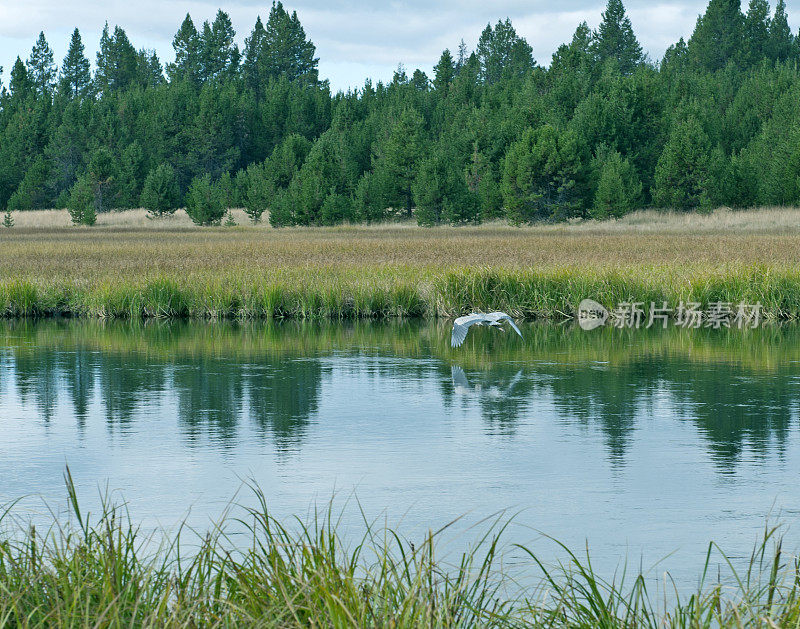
(130, 266)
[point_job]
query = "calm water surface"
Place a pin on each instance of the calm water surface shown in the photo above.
(644, 444)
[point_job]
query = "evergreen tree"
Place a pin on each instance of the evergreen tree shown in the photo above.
(81, 204)
(8, 220)
(756, 31)
(441, 192)
(443, 73)
(217, 49)
(400, 158)
(265, 180)
(226, 189)
(102, 177)
(20, 83)
(676, 58)
(400, 76)
(370, 201)
(252, 68)
(282, 209)
(41, 69)
(770, 164)
(117, 62)
(66, 150)
(463, 55)
(542, 176)
(482, 181)
(717, 36)
(160, 194)
(148, 69)
(615, 40)
(129, 169)
(212, 136)
(502, 53)
(260, 193)
(187, 46)
(286, 52)
(322, 174)
(571, 72)
(336, 209)
(420, 81)
(204, 202)
(75, 80)
(781, 42)
(681, 177)
(31, 193)
(721, 187)
(22, 136)
(491, 135)
(618, 189)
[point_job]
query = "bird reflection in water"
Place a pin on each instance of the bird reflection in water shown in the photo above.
(462, 386)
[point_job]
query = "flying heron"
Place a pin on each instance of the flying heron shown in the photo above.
(494, 319)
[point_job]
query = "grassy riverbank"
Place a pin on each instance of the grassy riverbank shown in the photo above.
(131, 271)
(103, 571)
(326, 293)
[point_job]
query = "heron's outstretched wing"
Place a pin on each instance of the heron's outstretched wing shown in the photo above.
(502, 316)
(461, 327)
(459, 377)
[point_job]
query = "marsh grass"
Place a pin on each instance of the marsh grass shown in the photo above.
(103, 571)
(340, 294)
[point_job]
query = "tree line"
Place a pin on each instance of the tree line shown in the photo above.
(493, 134)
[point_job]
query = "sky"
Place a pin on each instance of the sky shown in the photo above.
(355, 40)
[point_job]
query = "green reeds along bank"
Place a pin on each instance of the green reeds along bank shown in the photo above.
(397, 292)
(103, 571)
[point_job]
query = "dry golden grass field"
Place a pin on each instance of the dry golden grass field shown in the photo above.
(43, 246)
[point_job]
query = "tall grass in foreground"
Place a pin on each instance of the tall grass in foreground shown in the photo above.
(104, 572)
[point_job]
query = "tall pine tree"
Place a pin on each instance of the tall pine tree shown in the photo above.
(443, 73)
(781, 42)
(253, 51)
(502, 53)
(187, 46)
(756, 31)
(614, 39)
(286, 51)
(117, 63)
(20, 82)
(217, 49)
(41, 68)
(717, 36)
(400, 158)
(75, 80)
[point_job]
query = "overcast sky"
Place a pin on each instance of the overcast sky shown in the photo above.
(354, 40)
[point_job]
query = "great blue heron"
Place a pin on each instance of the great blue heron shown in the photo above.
(462, 324)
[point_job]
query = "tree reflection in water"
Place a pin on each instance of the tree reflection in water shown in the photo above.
(738, 388)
